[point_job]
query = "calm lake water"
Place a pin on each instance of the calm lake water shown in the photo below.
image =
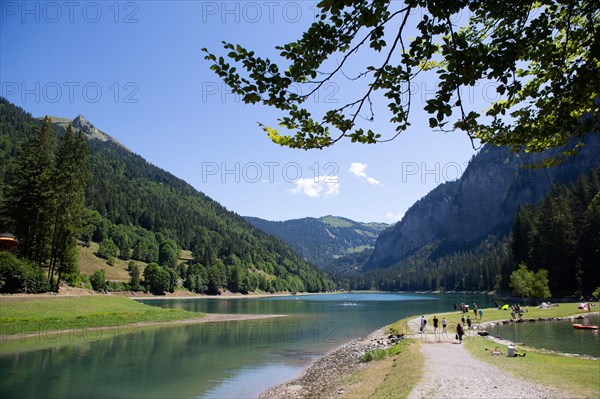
(213, 360)
(554, 335)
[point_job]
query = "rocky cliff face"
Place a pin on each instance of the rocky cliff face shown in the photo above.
(483, 201)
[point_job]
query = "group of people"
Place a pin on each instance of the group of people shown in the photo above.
(468, 321)
(465, 309)
(436, 324)
(460, 332)
(516, 310)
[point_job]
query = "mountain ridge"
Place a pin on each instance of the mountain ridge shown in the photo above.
(323, 241)
(88, 128)
(482, 202)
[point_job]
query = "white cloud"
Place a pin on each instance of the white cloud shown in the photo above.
(358, 169)
(395, 217)
(314, 187)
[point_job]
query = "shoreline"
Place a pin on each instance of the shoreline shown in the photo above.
(209, 318)
(79, 292)
(224, 296)
(323, 377)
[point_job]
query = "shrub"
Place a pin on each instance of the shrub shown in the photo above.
(77, 280)
(375, 354)
(18, 275)
(157, 279)
(117, 286)
(98, 280)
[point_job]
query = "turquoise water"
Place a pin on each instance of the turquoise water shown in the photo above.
(554, 335)
(212, 360)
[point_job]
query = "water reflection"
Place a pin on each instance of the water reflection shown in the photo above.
(229, 359)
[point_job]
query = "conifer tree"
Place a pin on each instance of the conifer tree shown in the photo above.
(31, 195)
(69, 185)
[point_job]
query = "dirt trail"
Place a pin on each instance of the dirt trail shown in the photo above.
(451, 372)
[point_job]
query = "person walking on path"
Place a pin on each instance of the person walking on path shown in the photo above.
(444, 322)
(435, 325)
(459, 333)
(469, 321)
(423, 323)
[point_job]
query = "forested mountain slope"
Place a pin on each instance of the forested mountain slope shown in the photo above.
(140, 206)
(322, 241)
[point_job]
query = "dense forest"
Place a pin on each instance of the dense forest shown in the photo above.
(138, 211)
(560, 234)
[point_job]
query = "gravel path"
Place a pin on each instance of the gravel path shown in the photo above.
(450, 372)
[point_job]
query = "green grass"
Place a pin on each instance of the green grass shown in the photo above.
(577, 377)
(380, 354)
(394, 376)
(335, 221)
(89, 263)
(19, 316)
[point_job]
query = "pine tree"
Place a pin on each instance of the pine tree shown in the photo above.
(591, 244)
(69, 181)
(31, 196)
(134, 274)
(521, 233)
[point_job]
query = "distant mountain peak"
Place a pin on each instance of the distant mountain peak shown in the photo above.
(81, 120)
(93, 132)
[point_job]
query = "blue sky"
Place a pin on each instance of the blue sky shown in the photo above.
(136, 71)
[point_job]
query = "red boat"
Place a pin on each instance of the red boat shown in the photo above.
(583, 327)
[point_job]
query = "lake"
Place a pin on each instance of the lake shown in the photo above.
(554, 335)
(212, 360)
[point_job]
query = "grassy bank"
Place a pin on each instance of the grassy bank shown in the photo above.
(27, 315)
(394, 376)
(578, 377)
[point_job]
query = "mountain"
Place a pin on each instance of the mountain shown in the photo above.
(459, 215)
(326, 241)
(142, 208)
(90, 131)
